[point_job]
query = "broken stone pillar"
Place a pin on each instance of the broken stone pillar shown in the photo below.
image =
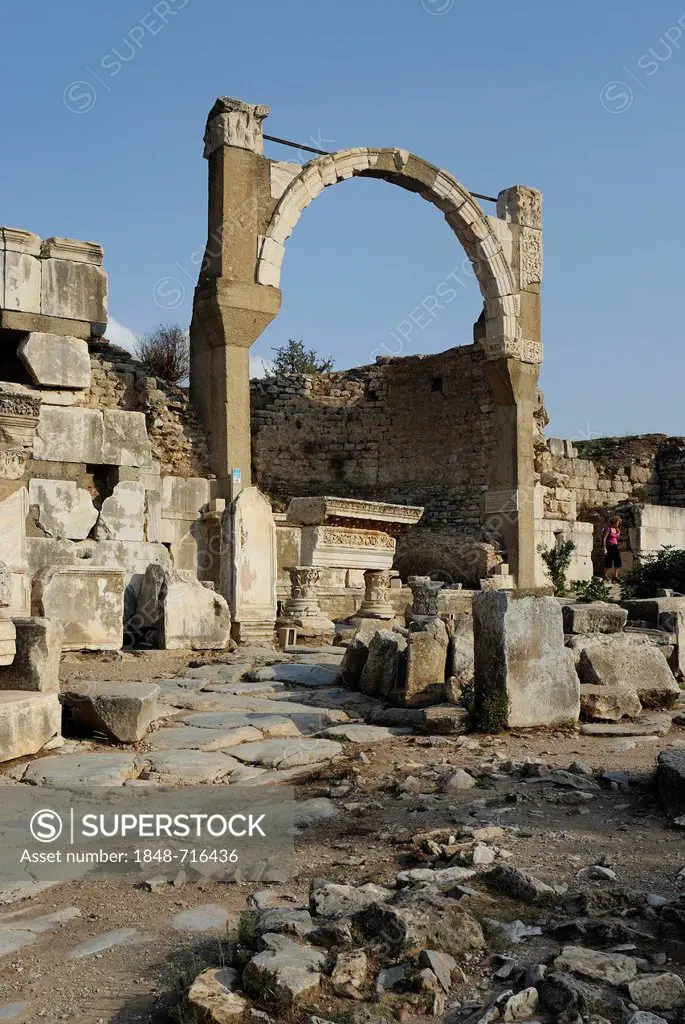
(248, 566)
(177, 612)
(523, 675)
(424, 592)
(385, 664)
(377, 603)
(230, 310)
(302, 607)
(36, 661)
(423, 681)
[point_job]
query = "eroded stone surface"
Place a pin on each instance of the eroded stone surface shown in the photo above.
(285, 968)
(287, 753)
(56, 361)
(27, 722)
(82, 770)
(65, 511)
(124, 711)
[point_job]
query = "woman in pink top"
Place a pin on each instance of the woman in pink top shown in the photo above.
(611, 536)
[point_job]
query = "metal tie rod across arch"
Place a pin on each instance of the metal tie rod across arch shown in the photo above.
(327, 152)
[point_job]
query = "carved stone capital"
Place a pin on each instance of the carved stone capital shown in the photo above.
(377, 603)
(425, 595)
(234, 123)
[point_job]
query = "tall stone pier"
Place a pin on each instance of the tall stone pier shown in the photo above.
(254, 205)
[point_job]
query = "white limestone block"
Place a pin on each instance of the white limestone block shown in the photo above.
(87, 600)
(122, 516)
(64, 510)
(282, 174)
(13, 512)
(22, 282)
(125, 440)
(27, 722)
(70, 435)
(73, 290)
(55, 361)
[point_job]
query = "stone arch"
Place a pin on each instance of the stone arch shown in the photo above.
(462, 212)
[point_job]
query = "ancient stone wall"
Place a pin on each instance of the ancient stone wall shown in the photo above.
(413, 431)
(119, 381)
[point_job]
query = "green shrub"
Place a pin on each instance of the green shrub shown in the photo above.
(595, 589)
(557, 561)
(664, 570)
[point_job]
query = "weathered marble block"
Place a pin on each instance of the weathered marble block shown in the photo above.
(347, 548)
(27, 722)
(248, 566)
(56, 361)
(8, 642)
(122, 516)
(87, 600)
(65, 511)
(176, 612)
(523, 675)
(36, 662)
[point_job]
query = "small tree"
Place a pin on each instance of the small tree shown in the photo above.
(166, 350)
(295, 358)
(557, 561)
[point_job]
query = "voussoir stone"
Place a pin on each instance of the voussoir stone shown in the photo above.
(123, 711)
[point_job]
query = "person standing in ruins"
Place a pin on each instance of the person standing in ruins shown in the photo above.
(611, 536)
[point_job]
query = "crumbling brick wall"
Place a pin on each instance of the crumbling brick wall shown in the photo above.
(177, 438)
(413, 430)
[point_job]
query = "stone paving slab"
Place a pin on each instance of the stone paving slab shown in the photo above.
(82, 770)
(282, 776)
(12, 940)
(360, 733)
(264, 689)
(209, 917)
(37, 925)
(172, 686)
(193, 737)
(287, 753)
(188, 767)
(206, 700)
(120, 937)
(316, 674)
(648, 725)
(13, 1011)
(270, 725)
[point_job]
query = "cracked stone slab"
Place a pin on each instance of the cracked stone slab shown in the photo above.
(65, 511)
(190, 737)
(301, 675)
(120, 937)
(123, 711)
(37, 925)
(188, 767)
(270, 725)
(359, 733)
(287, 753)
(82, 770)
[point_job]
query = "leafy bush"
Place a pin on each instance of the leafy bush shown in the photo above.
(295, 358)
(660, 571)
(166, 350)
(595, 589)
(557, 561)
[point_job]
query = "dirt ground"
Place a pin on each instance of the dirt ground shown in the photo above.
(370, 840)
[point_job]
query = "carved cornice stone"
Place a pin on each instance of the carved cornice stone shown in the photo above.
(234, 123)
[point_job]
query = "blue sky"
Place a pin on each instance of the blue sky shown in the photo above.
(102, 120)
